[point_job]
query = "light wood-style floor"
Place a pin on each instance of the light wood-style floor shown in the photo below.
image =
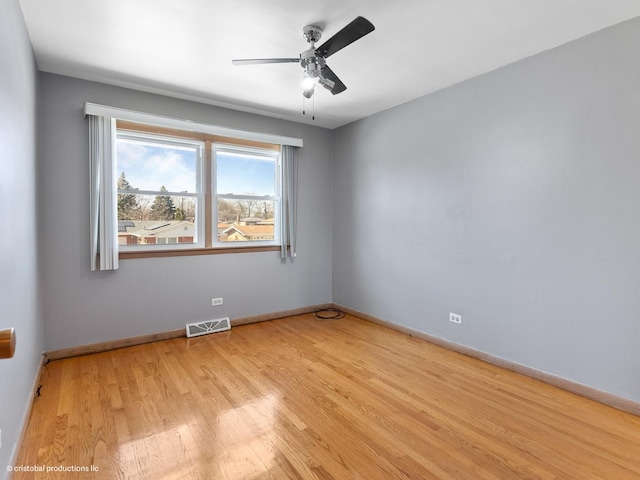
(303, 398)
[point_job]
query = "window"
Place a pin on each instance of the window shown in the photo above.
(245, 184)
(166, 200)
(162, 186)
(160, 196)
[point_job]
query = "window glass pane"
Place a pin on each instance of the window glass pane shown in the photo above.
(246, 220)
(156, 219)
(148, 164)
(243, 173)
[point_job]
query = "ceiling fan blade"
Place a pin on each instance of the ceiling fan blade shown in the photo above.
(349, 34)
(259, 61)
(327, 73)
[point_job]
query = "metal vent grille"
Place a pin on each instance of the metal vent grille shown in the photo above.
(208, 326)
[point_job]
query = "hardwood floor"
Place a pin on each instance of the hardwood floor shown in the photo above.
(303, 398)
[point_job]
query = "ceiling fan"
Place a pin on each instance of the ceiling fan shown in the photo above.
(313, 60)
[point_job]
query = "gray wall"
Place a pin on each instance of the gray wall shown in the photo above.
(155, 295)
(512, 199)
(19, 284)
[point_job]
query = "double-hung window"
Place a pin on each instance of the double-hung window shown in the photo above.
(244, 186)
(179, 190)
(160, 197)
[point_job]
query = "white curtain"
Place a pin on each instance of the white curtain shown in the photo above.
(288, 204)
(103, 190)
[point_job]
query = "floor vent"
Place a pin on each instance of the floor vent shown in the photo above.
(208, 326)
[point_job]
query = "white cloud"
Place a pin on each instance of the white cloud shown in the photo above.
(148, 167)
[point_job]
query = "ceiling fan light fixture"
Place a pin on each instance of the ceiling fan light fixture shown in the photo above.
(326, 83)
(308, 92)
(308, 84)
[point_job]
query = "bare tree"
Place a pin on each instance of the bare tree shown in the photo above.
(143, 209)
(227, 211)
(248, 207)
(186, 209)
(266, 209)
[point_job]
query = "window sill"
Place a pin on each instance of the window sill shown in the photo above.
(196, 251)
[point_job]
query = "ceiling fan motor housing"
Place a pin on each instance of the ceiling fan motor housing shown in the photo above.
(311, 62)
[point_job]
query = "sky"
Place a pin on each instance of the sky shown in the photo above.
(149, 165)
(244, 174)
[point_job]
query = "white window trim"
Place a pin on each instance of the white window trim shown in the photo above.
(169, 122)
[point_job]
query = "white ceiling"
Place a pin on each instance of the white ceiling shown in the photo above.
(184, 48)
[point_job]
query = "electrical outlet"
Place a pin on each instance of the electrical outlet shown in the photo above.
(455, 318)
(216, 301)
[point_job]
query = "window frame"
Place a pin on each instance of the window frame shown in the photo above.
(198, 195)
(210, 214)
(215, 195)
